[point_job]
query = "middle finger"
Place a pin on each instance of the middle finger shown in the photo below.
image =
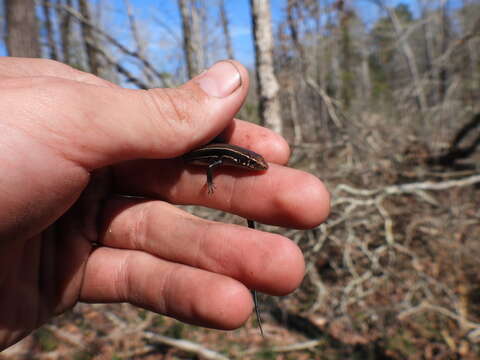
(263, 261)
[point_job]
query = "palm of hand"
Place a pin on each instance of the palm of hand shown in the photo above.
(58, 148)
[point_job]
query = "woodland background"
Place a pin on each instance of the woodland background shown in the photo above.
(384, 108)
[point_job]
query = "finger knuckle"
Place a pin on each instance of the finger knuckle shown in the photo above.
(138, 231)
(177, 109)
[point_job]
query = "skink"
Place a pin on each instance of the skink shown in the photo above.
(217, 154)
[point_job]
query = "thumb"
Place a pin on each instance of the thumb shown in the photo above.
(99, 126)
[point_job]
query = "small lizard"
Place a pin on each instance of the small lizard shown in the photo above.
(219, 154)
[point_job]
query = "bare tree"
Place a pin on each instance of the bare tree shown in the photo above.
(198, 11)
(138, 41)
(365, 69)
(52, 46)
(444, 41)
(22, 28)
(347, 86)
(191, 46)
(409, 55)
(109, 39)
(226, 29)
(65, 29)
(267, 85)
(290, 81)
(89, 39)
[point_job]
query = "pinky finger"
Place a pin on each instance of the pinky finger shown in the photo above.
(188, 294)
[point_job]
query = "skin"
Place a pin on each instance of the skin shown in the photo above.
(72, 143)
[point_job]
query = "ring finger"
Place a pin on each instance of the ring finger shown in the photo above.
(263, 261)
(163, 259)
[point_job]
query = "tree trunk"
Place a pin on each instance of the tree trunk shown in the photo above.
(267, 85)
(52, 46)
(22, 28)
(306, 129)
(226, 30)
(347, 85)
(410, 59)
(191, 47)
(89, 39)
(429, 51)
(444, 41)
(200, 32)
(365, 70)
(65, 26)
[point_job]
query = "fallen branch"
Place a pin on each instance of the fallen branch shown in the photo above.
(425, 306)
(307, 345)
(411, 187)
(185, 345)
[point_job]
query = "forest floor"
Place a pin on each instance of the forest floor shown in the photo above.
(393, 274)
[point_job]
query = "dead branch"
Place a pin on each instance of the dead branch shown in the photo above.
(408, 53)
(306, 345)
(329, 102)
(76, 340)
(412, 188)
(135, 54)
(425, 306)
(138, 41)
(185, 345)
(121, 69)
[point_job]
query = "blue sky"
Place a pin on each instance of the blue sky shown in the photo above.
(160, 26)
(238, 12)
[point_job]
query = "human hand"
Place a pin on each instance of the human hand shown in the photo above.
(70, 143)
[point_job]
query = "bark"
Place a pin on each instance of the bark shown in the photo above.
(365, 70)
(321, 63)
(52, 47)
(89, 39)
(200, 32)
(297, 125)
(289, 82)
(428, 46)
(333, 50)
(22, 35)
(191, 47)
(293, 26)
(410, 59)
(226, 30)
(469, 73)
(267, 85)
(444, 41)
(347, 89)
(306, 129)
(65, 30)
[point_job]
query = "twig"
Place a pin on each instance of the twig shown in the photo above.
(326, 99)
(286, 348)
(425, 306)
(75, 340)
(120, 68)
(411, 187)
(185, 345)
(135, 54)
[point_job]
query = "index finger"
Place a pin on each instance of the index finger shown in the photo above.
(273, 147)
(279, 196)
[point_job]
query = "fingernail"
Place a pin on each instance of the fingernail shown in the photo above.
(221, 80)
